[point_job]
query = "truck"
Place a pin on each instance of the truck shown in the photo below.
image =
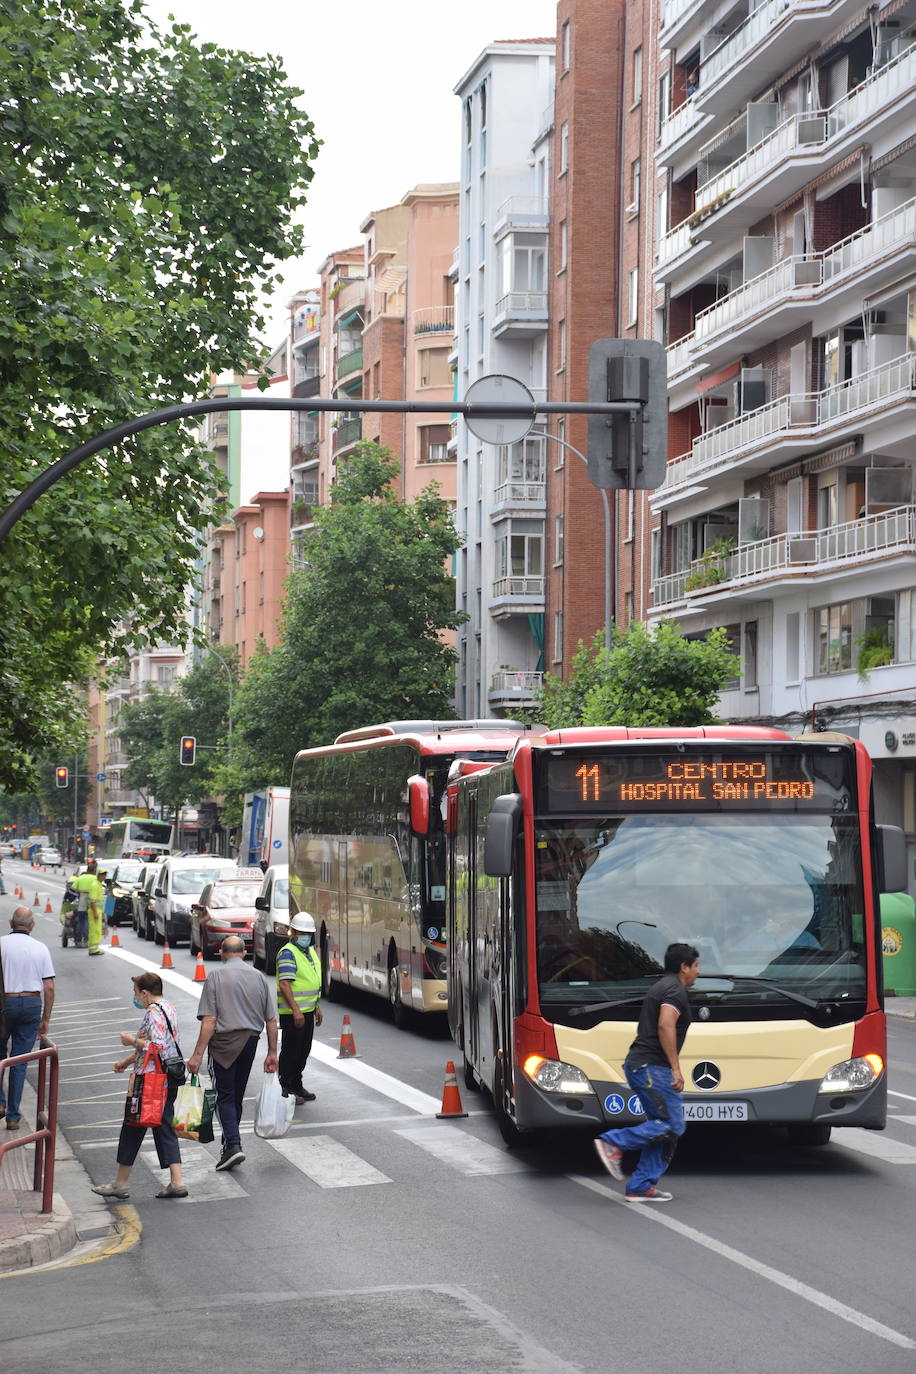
(265, 822)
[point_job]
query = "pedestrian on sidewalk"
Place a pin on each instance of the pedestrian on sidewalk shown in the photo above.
(2, 883)
(28, 982)
(653, 1071)
(235, 1006)
(159, 1026)
(298, 991)
(90, 897)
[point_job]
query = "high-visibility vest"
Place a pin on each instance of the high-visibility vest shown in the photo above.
(306, 986)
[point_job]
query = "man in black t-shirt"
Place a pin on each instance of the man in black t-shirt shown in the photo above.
(653, 1071)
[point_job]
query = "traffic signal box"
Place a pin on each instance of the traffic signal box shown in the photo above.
(628, 450)
(188, 752)
(62, 777)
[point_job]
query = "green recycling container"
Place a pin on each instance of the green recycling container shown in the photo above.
(898, 943)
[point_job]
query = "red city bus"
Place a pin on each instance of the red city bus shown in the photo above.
(576, 862)
(367, 852)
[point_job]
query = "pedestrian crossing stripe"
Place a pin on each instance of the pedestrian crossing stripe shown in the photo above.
(328, 1163)
(462, 1151)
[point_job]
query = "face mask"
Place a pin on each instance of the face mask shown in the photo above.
(138, 1004)
(303, 941)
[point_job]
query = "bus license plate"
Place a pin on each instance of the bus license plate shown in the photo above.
(715, 1111)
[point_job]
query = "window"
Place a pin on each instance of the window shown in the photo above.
(520, 555)
(750, 655)
(522, 263)
(433, 368)
(559, 450)
(631, 516)
(661, 211)
(563, 246)
(833, 635)
(637, 75)
(827, 505)
(846, 633)
(557, 636)
(481, 335)
(521, 462)
(632, 295)
(628, 608)
(664, 98)
(261, 588)
(795, 521)
(564, 147)
(434, 444)
(793, 638)
(635, 181)
(561, 345)
(564, 46)
(558, 539)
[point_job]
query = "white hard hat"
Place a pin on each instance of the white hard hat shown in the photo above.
(303, 922)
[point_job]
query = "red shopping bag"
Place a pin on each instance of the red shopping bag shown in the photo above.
(146, 1096)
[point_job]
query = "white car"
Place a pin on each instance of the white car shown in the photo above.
(49, 857)
(178, 885)
(271, 925)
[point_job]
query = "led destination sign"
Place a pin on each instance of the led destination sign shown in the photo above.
(791, 780)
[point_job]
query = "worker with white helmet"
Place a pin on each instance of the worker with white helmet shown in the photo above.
(298, 991)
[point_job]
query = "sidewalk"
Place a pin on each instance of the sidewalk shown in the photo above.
(28, 1238)
(900, 1006)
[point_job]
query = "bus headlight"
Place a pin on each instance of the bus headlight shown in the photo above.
(554, 1076)
(434, 964)
(853, 1075)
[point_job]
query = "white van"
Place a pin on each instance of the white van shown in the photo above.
(179, 883)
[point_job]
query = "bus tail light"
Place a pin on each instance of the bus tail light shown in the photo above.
(853, 1075)
(553, 1076)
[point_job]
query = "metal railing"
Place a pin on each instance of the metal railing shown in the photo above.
(679, 122)
(884, 84)
(884, 235)
(868, 389)
(518, 586)
(672, 10)
(350, 362)
(518, 301)
(678, 354)
(669, 588)
(738, 43)
(524, 493)
(674, 243)
(517, 681)
(44, 1137)
(434, 319)
(784, 139)
(347, 432)
(524, 207)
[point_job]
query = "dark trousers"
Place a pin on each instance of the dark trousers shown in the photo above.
(230, 1087)
(295, 1048)
(23, 1018)
(167, 1147)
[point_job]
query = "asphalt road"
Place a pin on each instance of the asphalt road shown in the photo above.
(375, 1238)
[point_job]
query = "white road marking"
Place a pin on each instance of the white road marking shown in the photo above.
(203, 1182)
(463, 1152)
(906, 1096)
(876, 1145)
(328, 1163)
(792, 1285)
(907, 1120)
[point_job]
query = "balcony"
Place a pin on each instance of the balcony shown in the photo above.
(347, 432)
(677, 129)
(309, 385)
(529, 496)
(761, 48)
(433, 319)
(516, 596)
(816, 555)
(514, 686)
(521, 315)
(791, 424)
(522, 212)
(675, 18)
(350, 362)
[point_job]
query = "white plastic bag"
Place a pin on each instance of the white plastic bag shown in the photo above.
(189, 1108)
(274, 1112)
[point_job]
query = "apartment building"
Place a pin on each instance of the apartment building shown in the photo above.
(501, 299)
(786, 268)
(248, 565)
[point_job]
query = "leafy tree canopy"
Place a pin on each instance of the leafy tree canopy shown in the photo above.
(148, 190)
(362, 627)
(650, 677)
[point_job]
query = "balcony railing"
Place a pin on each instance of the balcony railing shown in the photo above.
(675, 242)
(347, 432)
(678, 123)
(869, 389)
(799, 131)
(519, 586)
(678, 355)
(434, 319)
(742, 40)
(889, 533)
(516, 683)
(673, 10)
(531, 209)
(521, 493)
(350, 362)
(885, 235)
(885, 84)
(518, 301)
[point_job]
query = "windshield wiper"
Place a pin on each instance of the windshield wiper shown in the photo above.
(769, 982)
(605, 1006)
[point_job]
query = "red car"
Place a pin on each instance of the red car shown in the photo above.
(225, 907)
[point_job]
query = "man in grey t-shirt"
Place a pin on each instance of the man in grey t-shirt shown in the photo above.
(235, 1006)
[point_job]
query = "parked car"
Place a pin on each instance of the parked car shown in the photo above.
(226, 907)
(141, 899)
(49, 857)
(179, 883)
(271, 925)
(122, 879)
(7, 850)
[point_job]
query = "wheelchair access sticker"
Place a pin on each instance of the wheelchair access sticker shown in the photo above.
(614, 1104)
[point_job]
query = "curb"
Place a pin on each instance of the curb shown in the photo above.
(49, 1241)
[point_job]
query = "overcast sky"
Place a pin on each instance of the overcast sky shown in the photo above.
(378, 77)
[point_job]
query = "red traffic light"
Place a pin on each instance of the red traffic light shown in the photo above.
(62, 777)
(188, 751)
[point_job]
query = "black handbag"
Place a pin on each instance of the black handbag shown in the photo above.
(175, 1068)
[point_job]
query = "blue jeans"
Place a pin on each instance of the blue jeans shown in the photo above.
(23, 1017)
(656, 1138)
(230, 1087)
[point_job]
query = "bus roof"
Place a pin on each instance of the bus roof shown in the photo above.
(426, 727)
(428, 737)
(614, 734)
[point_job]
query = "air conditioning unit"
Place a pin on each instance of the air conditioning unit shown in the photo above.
(811, 130)
(802, 550)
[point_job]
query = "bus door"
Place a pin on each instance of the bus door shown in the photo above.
(503, 973)
(472, 982)
(343, 910)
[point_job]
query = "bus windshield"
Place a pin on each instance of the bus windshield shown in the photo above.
(775, 898)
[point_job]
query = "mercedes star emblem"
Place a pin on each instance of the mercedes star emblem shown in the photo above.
(703, 1013)
(707, 1075)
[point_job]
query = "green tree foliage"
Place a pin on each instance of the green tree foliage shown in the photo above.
(650, 677)
(49, 804)
(148, 190)
(362, 628)
(151, 730)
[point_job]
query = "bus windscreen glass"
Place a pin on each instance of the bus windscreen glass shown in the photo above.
(773, 902)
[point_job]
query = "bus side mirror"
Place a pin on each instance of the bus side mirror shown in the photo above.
(418, 794)
(501, 832)
(891, 849)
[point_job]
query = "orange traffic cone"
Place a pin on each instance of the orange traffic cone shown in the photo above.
(16, 892)
(36, 901)
(114, 942)
(48, 906)
(166, 957)
(200, 973)
(451, 1097)
(347, 1043)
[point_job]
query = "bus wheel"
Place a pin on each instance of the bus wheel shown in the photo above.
(470, 1077)
(507, 1127)
(808, 1137)
(398, 1010)
(328, 986)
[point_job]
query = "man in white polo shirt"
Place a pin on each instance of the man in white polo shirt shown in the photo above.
(28, 982)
